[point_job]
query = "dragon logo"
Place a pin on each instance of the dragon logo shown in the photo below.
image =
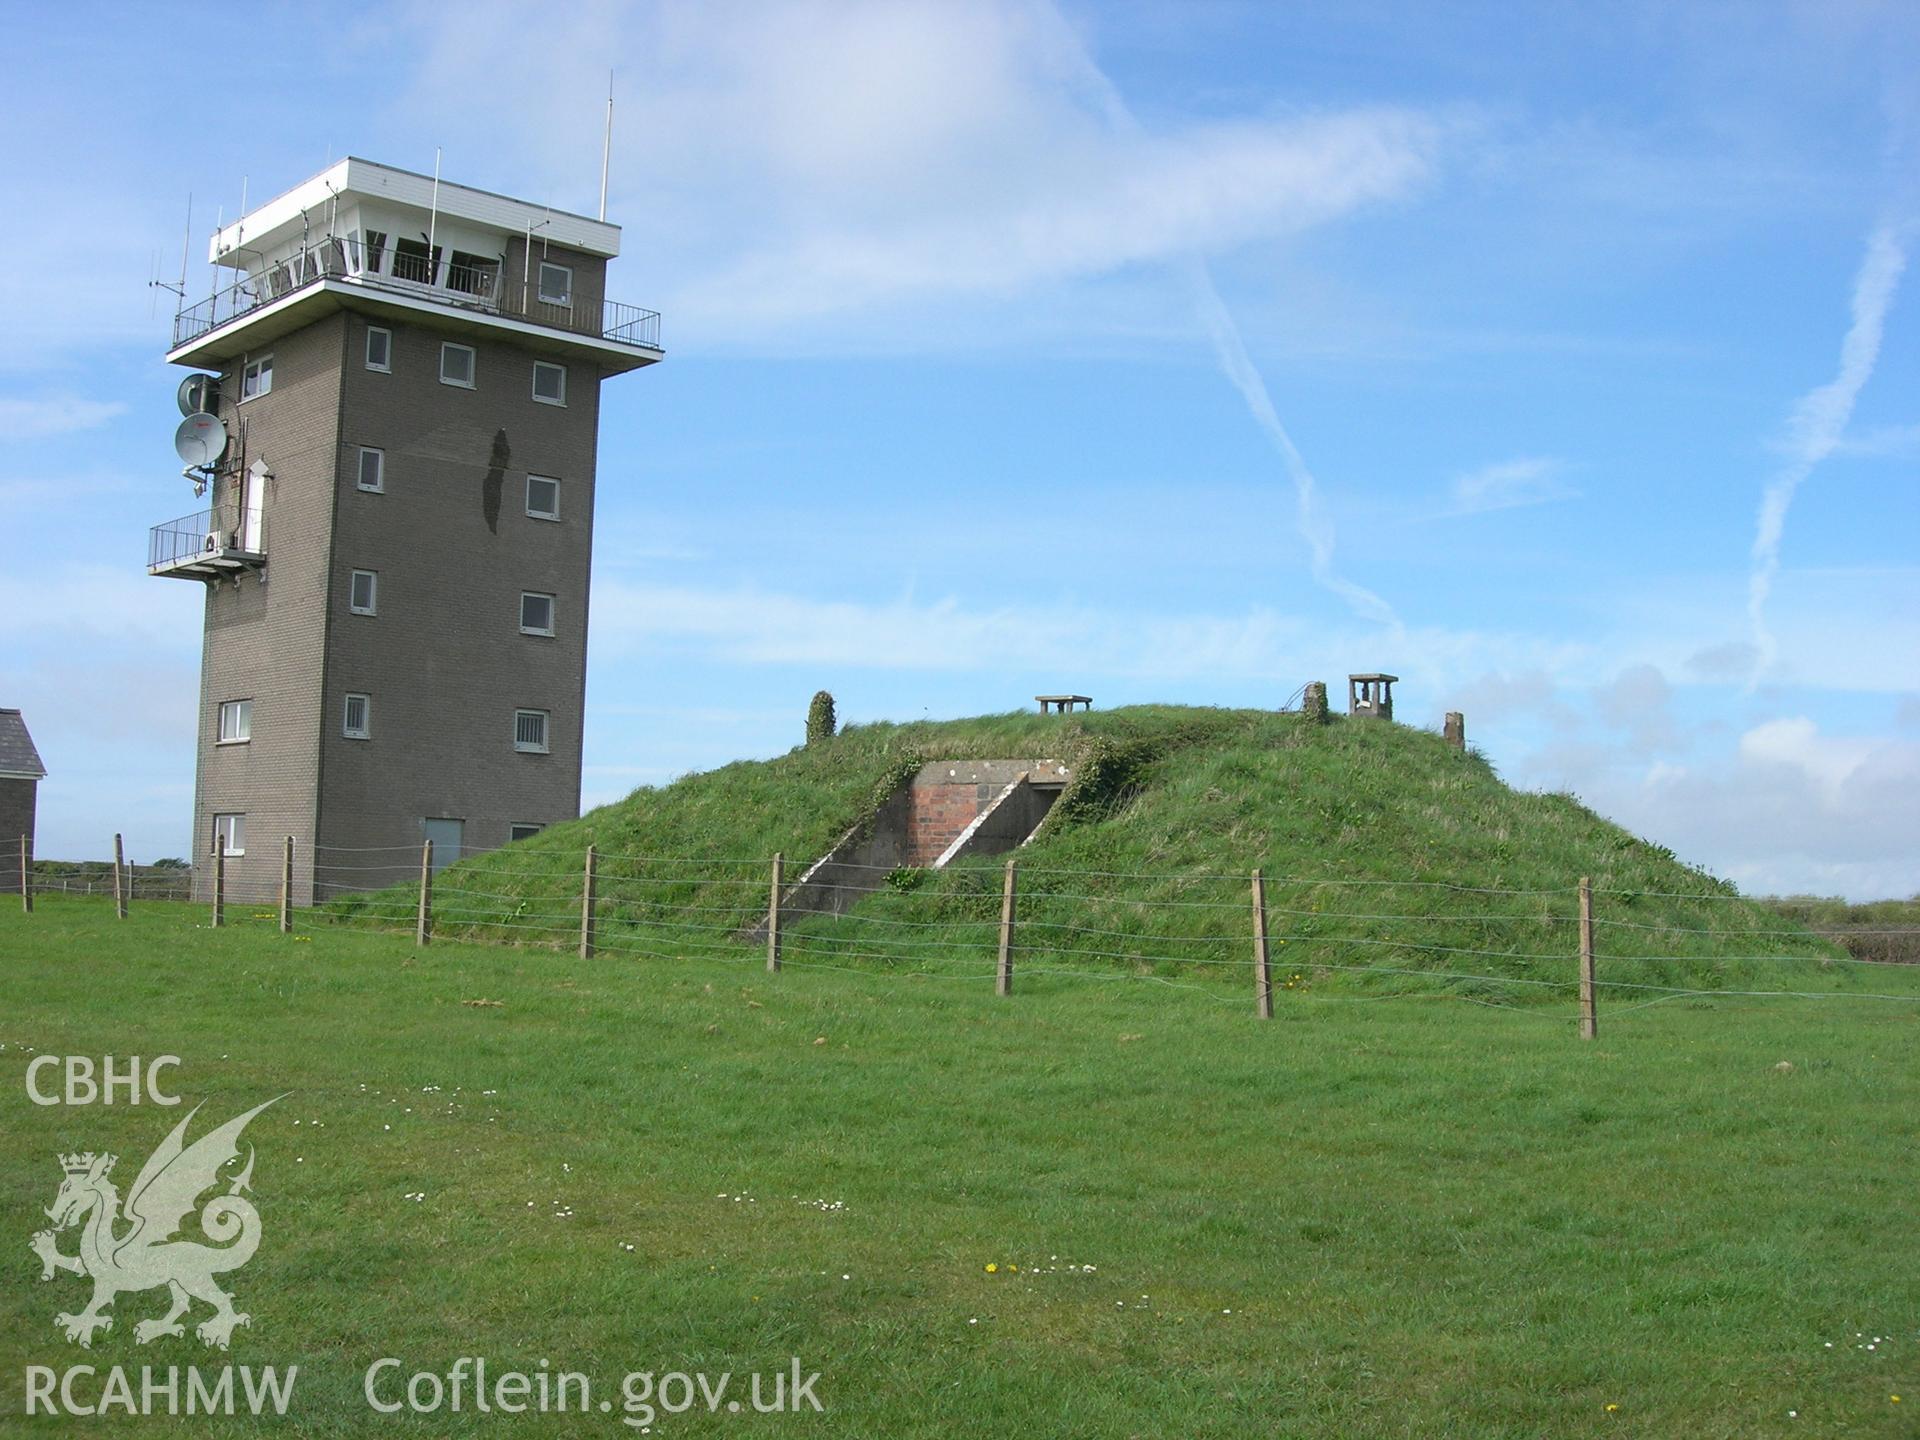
(138, 1246)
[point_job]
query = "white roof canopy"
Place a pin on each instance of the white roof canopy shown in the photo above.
(312, 203)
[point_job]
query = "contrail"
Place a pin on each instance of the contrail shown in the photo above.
(1315, 528)
(1820, 419)
(1230, 349)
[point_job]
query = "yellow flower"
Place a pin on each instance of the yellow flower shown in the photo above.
(1612, 1408)
(992, 1269)
(1013, 1269)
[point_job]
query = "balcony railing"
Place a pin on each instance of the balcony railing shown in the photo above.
(207, 545)
(480, 288)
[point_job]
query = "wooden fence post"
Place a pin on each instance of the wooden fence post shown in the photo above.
(423, 921)
(773, 916)
(586, 903)
(1262, 965)
(219, 878)
(1003, 973)
(120, 884)
(26, 873)
(1589, 1017)
(286, 887)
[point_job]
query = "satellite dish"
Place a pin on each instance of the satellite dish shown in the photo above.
(200, 440)
(198, 394)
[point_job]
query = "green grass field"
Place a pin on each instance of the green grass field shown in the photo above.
(1373, 1216)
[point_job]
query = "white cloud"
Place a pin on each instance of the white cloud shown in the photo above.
(1529, 480)
(1796, 742)
(1639, 702)
(1883, 442)
(1819, 420)
(825, 162)
(1788, 809)
(40, 417)
(750, 626)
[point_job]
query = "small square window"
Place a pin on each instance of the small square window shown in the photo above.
(530, 731)
(536, 613)
(363, 592)
(543, 497)
(230, 833)
(256, 378)
(456, 365)
(373, 469)
(358, 722)
(236, 722)
(549, 383)
(556, 284)
(523, 830)
(379, 349)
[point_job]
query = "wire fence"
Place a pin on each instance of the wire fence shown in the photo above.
(1234, 938)
(144, 882)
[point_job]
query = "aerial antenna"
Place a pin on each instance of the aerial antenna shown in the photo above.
(433, 222)
(606, 148)
(526, 256)
(179, 291)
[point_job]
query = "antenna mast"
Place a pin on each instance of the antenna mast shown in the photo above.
(186, 244)
(606, 148)
(433, 223)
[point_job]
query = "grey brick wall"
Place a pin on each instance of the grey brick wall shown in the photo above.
(266, 630)
(443, 660)
(17, 798)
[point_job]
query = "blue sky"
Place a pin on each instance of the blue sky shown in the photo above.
(1159, 352)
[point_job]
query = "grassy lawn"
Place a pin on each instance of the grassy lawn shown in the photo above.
(1371, 1217)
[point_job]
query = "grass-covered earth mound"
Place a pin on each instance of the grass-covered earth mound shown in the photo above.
(1392, 861)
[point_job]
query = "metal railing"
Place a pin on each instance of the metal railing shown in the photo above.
(482, 288)
(208, 532)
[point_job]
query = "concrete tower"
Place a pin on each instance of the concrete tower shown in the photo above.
(397, 549)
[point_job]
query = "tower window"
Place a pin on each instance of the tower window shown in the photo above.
(523, 830)
(379, 350)
(471, 274)
(256, 379)
(412, 262)
(549, 383)
(376, 250)
(373, 469)
(556, 284)
(456, 365)
(536, 613)
(358, 723)
(230, 833)
(363, 592)
(236, 722)
(543, 497)
(530, 731)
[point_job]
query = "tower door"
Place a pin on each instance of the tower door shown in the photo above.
(253, 499)
(446, 836)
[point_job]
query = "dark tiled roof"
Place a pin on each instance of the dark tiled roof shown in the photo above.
(17, 755)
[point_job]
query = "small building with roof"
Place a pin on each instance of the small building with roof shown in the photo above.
(20, 776)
